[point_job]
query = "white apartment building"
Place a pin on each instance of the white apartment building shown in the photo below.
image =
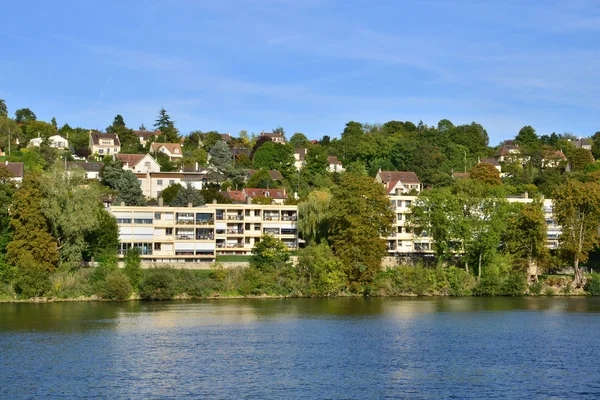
(199, 234)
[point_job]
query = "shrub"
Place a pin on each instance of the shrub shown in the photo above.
(32, 281)
(133, 267)
(593, 285)
(460, 281)
(71, 284)
(549, 291)
(157, 284)
(117, 286)
(536, 288)
(514, 284)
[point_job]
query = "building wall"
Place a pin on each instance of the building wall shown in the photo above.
(199, 234)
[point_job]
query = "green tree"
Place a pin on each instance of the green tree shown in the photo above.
(276, 156)
(269, 253)
(262, 179)
(580, 158)
(210, 139)
(124, 182)
(486, 174)
(71, 208)
(526, 234)
(220, 158)
(169, 194)
(314, 216)
(323, 271)
(168, 132)
(527, 137)
(24, 116)
(299, 140)
(133, 267)
(576, 208)
(187, 195)
(31, 241)
(3, 109)
(361, 216)
(129, 142)
(104, 238)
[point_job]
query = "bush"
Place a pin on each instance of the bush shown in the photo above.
(592, 285)
(549, 291)
(460, 281)
(133, 267)
(158, 284)
(536, 288)
(32, 281)
(514, 284)
(71, 284)
(117, 286)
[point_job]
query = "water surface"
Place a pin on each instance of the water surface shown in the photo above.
(303, 348)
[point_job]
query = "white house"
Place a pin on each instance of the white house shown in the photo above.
(144, 136)
(91, 169)
(275, 137)
(173, 150)
(299, 157)
(334, 165)
(104, 144)
(56, 141)
(398, 182)
(15, 170)
(139, 163)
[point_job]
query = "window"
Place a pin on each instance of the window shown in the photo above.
(168, 231)
(123, 220)
(100, 151)
(142, 221)
(147, 164)
(159, 182)
(407, 203)
(399, 217)
(156, 246)
(171, 181)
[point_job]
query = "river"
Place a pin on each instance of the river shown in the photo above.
(352, 348)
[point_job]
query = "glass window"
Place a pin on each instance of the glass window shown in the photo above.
(171, 181)
(159, 182)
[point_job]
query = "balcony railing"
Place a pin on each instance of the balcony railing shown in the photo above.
(185, 222)
(205, 237)
(271, 218)
(235, 231)
(205, 222)
(235, 217)
(230, 245)
(184, 237)
(289, 218)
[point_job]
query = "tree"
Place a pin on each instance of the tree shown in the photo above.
(273, 155)
(8, 188)
(220, 158)
(133, 267)
(32, 242)
(580, 158)
(142, 127)
(124, 182)
(104, 238)
(314, 217)
(526, 234)
(169, 194)
(168, 132)
(269, 254)
(24, 116)
(187, 195)
(576, 208)
(263, 200)
(3, 109)
(299, 140)
(129, 141)
(361, 216)
(210, 139)
(527, 137)
(323, 271)
(54, 124)
(486, 174)
(9, 129)
(262, 179)
(71, 208)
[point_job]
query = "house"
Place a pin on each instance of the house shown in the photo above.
(104, 144)
(553, 158)
(460, 175)
(508, 153)
(299, 156)
(91, 169)
(172, 150)
(274, 174)
(491, 161)
(334, 165)
(582, 143)
(236, 196)
(278, 196)
(139, 163)
(274, 136)
(398, 182)
(144, 136)
(15, 170)
(55, 141)
(153, 183)
(226, 137)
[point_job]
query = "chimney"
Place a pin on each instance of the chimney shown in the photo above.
(214, 201)
(161, 202)
(190, 205)
(525, 195)
(122, 204)
(196, 166)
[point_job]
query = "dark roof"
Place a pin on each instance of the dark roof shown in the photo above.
(240, 150)
(86, 166)
(225, 136)
(401, 176)
(96, 136)
(505, 150)
(334, 160)
(272, 193)
(275, 175)
(15, 168)
(491, 161)
(146, 134)
(271, 134)
(582, 142)
(301, 151)
(131, 159)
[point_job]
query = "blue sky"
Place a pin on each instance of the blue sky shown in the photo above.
(307, 65)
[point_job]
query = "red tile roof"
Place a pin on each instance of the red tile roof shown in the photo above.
(173, 148)
(146, 134)
(270, 193)
(235, 195)
(131, 159)
(14, 168)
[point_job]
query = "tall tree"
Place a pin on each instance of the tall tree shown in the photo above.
(168, 132)
(129, 142)
(314, 216)
(486, 174)
(220, 158)
(71, 207)
(31, 241)
(104, 238)
(299, 140)
(576, 207)
(3, 109)
(188, 195)
(277, 156)
(580, 158)
(360, 218)
(24, 116)
(124, 182)
(527, 136)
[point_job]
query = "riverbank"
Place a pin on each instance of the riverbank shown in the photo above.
(252, 283)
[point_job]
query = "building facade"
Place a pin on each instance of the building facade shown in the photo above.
(200, 234)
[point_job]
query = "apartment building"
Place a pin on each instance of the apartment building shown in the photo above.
(199, 234)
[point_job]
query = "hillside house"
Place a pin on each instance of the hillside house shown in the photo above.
(103, 144)
(398, 182)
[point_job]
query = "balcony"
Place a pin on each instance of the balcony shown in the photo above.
(205, 222)
(230, 245)
(235, 231)
(289, 218)
(185, 222)
(235, 217)
(271, 218)
(185, 237)
(205, 237)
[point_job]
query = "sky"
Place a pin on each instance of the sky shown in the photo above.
(307, 65)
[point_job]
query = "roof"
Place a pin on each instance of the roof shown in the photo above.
(15, 168)
(399, 176)
(582, 142)
(271, 134)
(301, 151)
(96, 136)
(225, 136)
(171, 147)
(131, 159)
(234, 195)
(555, 154)
(334, 160)
(505, 150)
(270, 193)
(86, 166)
(275, 175)
(491, 161)
(146, 134)
(463, 175)
(240, 150)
